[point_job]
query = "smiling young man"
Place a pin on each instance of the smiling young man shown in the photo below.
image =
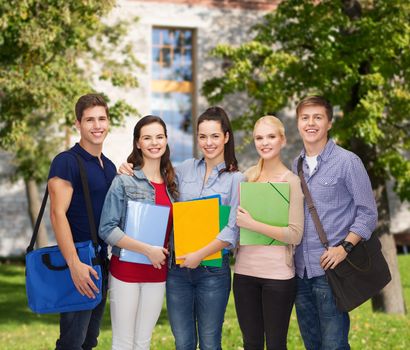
(79, 330)
(342, 194)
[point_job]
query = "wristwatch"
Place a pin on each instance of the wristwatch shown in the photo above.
(347, 246)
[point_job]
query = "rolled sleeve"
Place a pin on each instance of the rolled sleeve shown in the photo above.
(230, 233)
(111, 214)
(359, 186)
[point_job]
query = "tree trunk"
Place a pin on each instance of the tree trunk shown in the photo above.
(34, 205)
(390, 300)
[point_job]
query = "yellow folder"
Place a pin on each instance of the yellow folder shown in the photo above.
(196, 224)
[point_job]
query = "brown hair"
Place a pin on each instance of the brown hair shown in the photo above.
(87, 101)
(218, 114)
(316, 101)
(136, 158)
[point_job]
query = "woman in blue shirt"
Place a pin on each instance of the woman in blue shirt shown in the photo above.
(197, 295)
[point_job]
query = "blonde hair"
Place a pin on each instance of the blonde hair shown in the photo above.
(253, 173)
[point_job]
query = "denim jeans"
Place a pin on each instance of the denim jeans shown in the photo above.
(79, 330)
(321, 324)
(196, 304)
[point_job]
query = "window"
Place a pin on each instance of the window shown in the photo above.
(172, 87)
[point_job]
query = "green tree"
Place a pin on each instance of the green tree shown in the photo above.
(357, 54)
(51, 52)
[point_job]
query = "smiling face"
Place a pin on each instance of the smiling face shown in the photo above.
(93, 127)
(212, 140)
(313, 126)
(268, 140)
(152, 141)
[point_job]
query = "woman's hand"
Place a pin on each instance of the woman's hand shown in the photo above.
(157, 256)
(126, 169)
(243, 218)
(191, 260)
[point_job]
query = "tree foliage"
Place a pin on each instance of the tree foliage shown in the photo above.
(356, 53)
(51, 52)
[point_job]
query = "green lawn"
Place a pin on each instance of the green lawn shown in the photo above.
(21, 329)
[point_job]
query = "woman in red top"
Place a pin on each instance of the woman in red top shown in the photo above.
(137, 290)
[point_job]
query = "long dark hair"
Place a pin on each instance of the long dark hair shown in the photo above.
(218, 114)
(136, 158)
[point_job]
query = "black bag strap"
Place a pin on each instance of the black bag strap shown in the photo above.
(38, 222)
(87, 197)
(312, 209)
(88, 204)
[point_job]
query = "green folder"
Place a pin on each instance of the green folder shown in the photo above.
(224, 211)
(267, 203)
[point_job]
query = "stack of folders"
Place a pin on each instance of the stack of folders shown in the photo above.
(146, 223)
(267, 203)
(196, 224)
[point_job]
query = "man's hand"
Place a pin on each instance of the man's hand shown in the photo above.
(126, 169)
(332, 257)
(81, 275)
(191, 260)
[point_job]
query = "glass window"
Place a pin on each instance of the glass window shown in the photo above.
(172, 87)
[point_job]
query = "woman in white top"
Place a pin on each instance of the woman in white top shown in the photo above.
(264, 285)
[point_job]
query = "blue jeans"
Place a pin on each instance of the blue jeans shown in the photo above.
(321, 324)
(79, 330)
(196, 304)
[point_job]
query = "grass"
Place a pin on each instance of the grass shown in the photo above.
(21, 329)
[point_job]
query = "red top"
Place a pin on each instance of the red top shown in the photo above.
(134, 272)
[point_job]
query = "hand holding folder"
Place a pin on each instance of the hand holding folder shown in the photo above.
(267, 203)
(146, 223)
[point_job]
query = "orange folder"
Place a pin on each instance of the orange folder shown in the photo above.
(196, 224)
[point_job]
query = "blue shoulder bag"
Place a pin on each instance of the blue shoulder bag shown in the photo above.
(49, 286)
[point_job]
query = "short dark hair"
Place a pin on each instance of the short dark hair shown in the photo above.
(218, 114)
(316, 100)
(87, 101)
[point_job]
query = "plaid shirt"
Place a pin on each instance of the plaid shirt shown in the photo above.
(342, 194)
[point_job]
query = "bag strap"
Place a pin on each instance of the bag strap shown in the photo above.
(38, 221)
(88, 204)
(312, 209)
(87, 197)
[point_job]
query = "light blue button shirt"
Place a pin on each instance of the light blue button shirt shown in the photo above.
(343, 196)
(190, 177)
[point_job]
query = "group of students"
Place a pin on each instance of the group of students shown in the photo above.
(265, 285)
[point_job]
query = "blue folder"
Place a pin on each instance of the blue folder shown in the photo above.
(146, 223)
(209, 197)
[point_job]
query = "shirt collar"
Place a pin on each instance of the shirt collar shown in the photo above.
(139, 173)
(218, 167)
(87, 156)
(330, 145)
